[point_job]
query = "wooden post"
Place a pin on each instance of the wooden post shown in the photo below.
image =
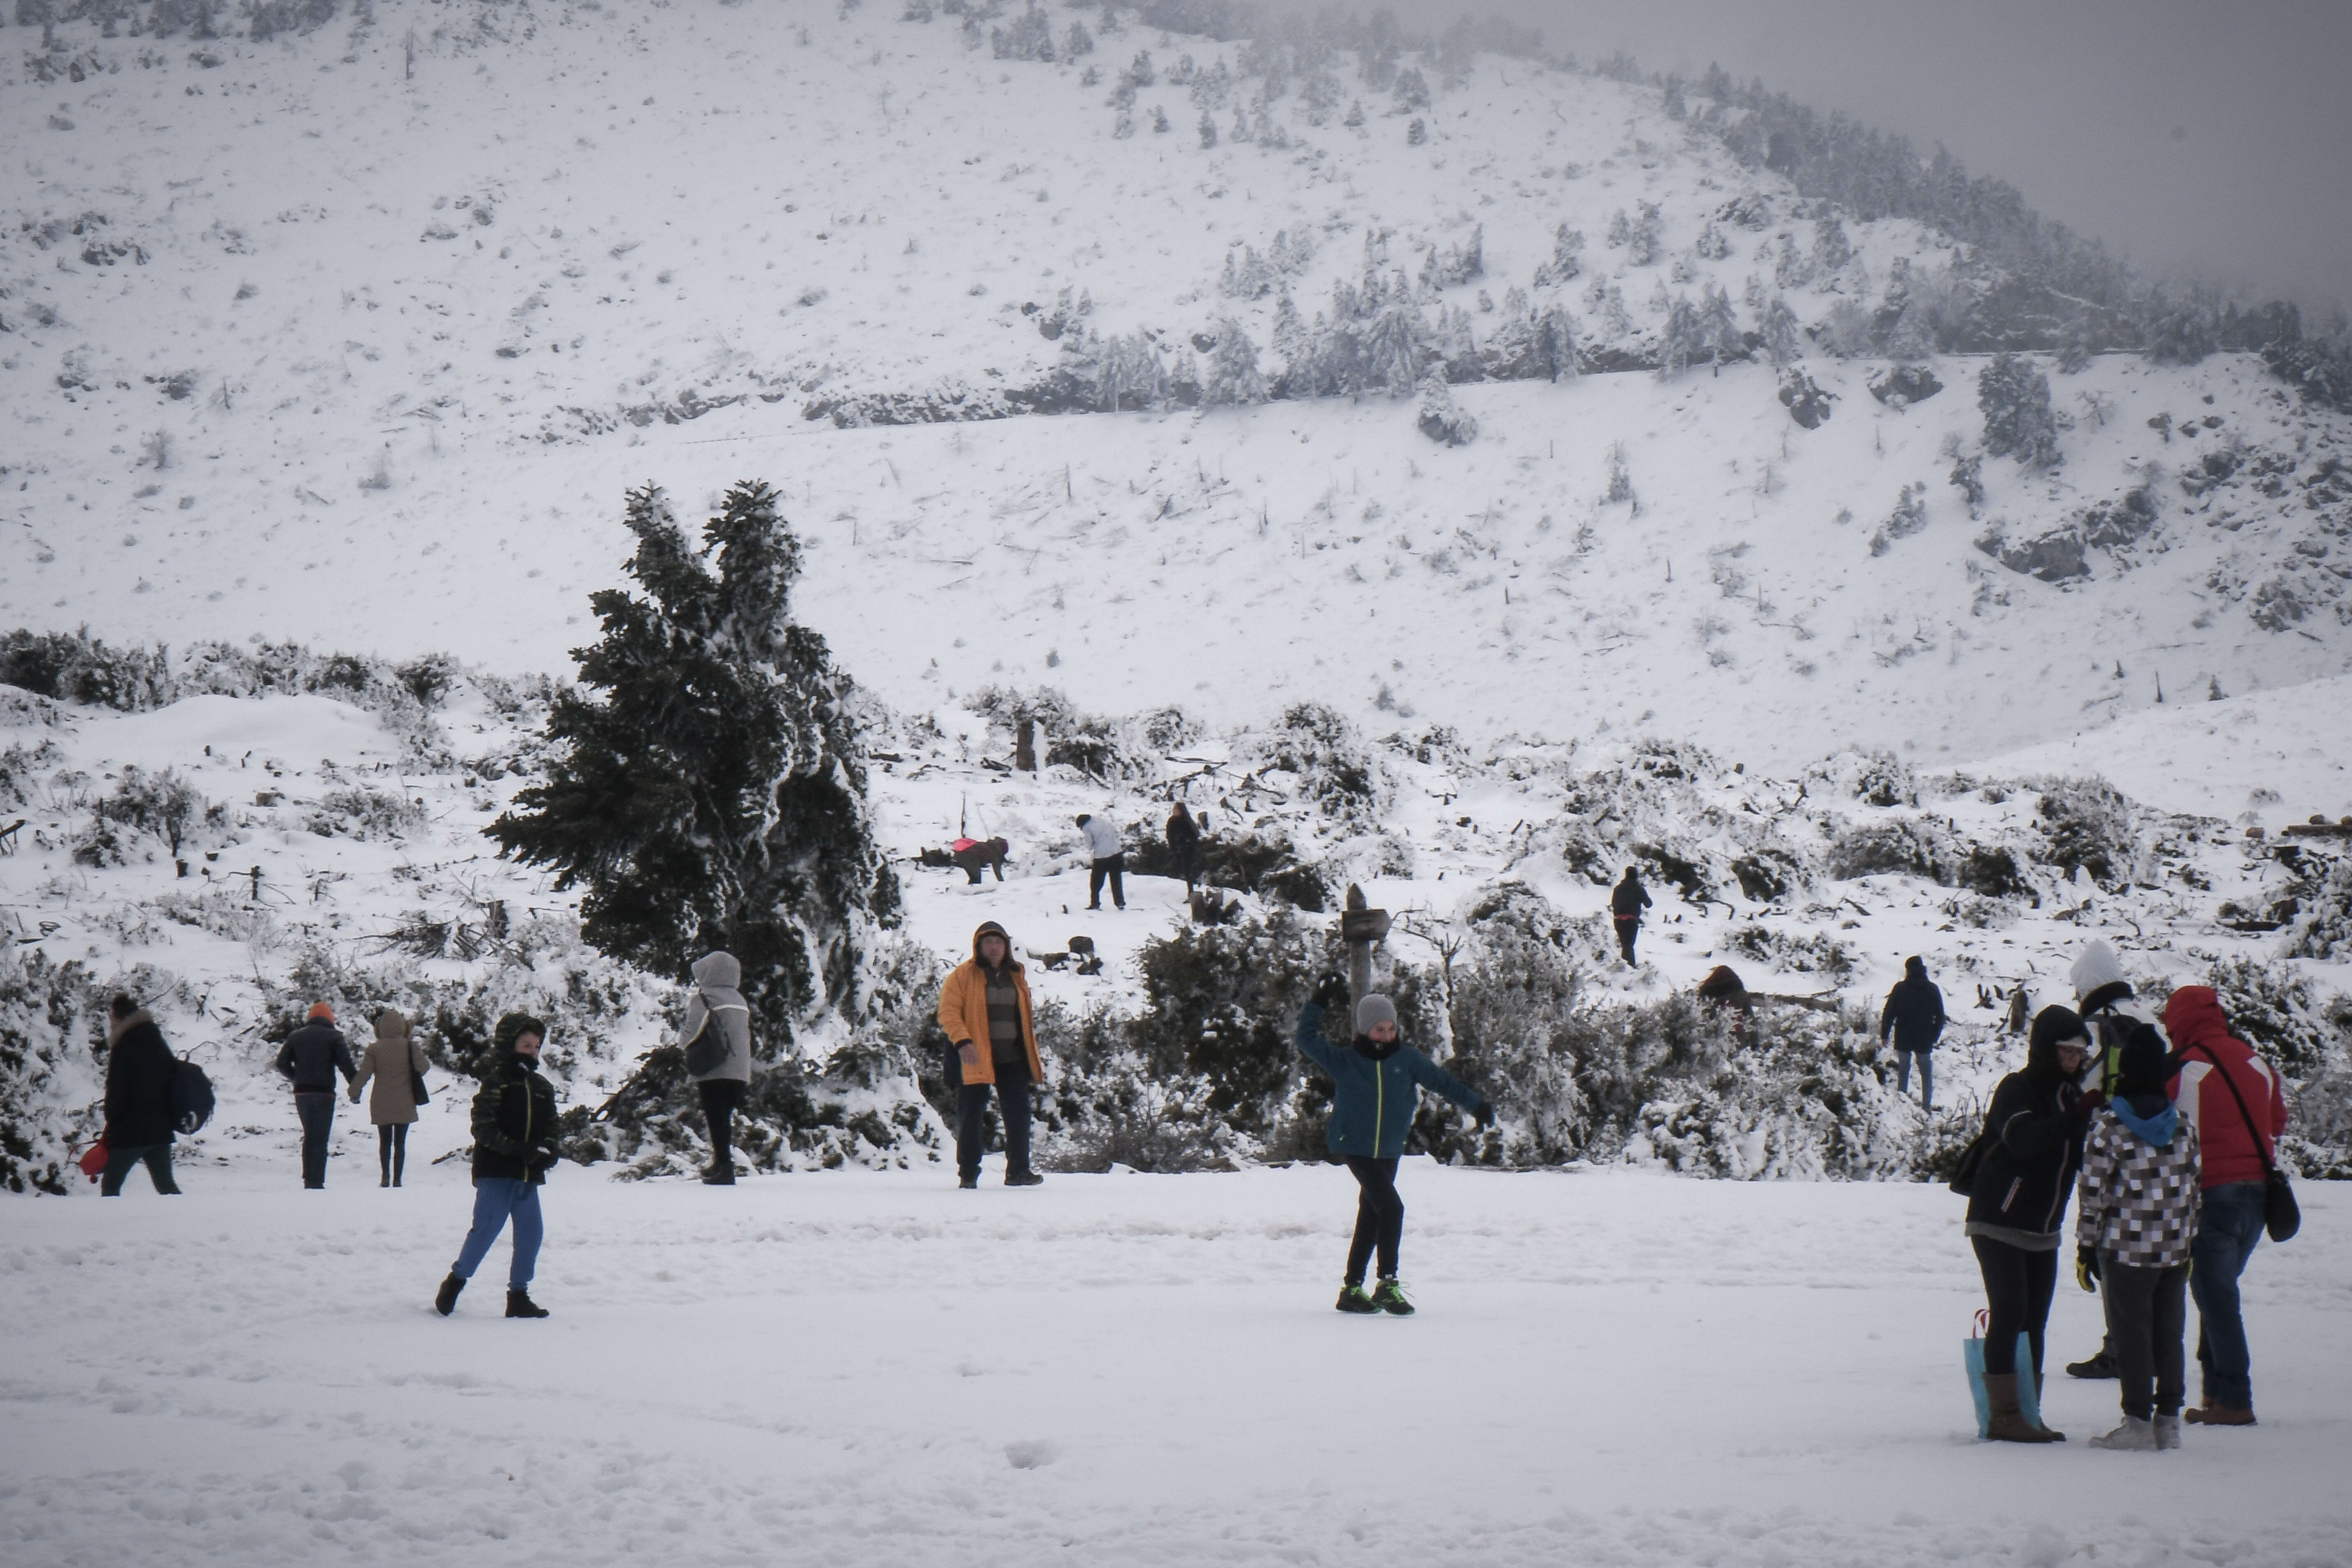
(1024, 746)
(1362, 930)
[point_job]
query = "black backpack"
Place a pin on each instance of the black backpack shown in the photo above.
(192, 1097)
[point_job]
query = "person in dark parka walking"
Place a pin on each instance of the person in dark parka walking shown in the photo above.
(1375, 1089)
(2017, 1208)
(138, 1099)
(1184, 844)
(1626, 903)
(1913, 1015)
(310, 1058)
(517, 1141)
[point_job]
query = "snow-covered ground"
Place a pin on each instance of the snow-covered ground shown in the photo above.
(857, 1367)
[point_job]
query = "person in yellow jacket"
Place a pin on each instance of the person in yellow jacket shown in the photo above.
(984, 1008)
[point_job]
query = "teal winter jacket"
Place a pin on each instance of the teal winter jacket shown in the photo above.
(1373, 1100)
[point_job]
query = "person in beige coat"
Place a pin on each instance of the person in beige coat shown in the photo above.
(393, 1061)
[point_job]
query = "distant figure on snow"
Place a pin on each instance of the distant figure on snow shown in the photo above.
(1184, 844)
(1375, 1089)
(310, 1058)
(2133, 1236)
(1110, 861)
(1625, 906)
(1913, 1015)
(978, 855)
(2032, 1145)
(2020, 1006)
(2233, 1100)
(515, 1145)
(138, 1099)
(717, 1038)
(987, 999)
(394, 1061)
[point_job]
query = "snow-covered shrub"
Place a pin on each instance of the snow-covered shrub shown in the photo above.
(51, 1080)
(2085, 823)
(2018, 421)
(1808, 952)
(164, 803)
(74, 666)
(2324, 930)
(1323, 752)
(1440, 418)
(1885, 779)
(21, 764)
(1910, 516)
(364, 813)
(2281, 1015)
(1906, 846)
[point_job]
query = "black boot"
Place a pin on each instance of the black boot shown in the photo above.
(520, 1305)
(2100, 1365)
(718, 1176)
(1023, 1179)
(444, 1300)
(969, 1182)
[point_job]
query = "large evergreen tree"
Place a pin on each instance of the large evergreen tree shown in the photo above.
(712, 792)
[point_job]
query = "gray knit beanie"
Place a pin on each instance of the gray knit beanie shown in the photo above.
(1374, 1009)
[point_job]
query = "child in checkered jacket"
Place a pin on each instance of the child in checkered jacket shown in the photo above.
(2132, 1231)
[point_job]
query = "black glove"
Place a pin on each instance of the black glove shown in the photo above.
(2086, 1269)
(1485, 1113)
(1332, 992)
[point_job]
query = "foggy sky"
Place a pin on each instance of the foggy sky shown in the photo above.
(2206, 139)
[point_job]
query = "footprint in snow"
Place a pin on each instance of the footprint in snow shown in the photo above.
(1030, 1455)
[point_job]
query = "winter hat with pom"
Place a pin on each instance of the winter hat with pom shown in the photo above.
(1374, 1009)
(2096, 969)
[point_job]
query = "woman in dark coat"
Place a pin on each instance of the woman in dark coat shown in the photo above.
(138, 1099)
(2017, 1207)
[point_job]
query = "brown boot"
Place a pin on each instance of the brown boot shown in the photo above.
(2009, 1424)
(2056, 1434)
(2217, 1416)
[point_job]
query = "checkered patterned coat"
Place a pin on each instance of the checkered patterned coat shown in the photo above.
(2138, 1202)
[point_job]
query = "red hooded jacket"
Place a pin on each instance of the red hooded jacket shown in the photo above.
(2203, 1045)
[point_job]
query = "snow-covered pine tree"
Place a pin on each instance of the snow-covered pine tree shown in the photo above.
(1232, 374)
(1718, 327)
(1684, 342)
(1784, 341)
(712, 793)
(2015, 399)
(1565, 263)
(1208, 129)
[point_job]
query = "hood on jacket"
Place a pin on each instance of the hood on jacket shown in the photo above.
(2052, 1026)
(1914, 969)
(719, 971)
(2155, 1129)
(2193, 1016)
(513, 1028)
(391, 1027)
(989, 927)
(121, 1027)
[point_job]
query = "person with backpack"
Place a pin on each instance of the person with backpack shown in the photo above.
(2133, 1235)
(310, 1058)
(717, 1038)
(1376, 1081)
(1913, 1015)
(395, 1063)
(1184, 846)
(2111, 1013)
(1108, 860)
(516, 1142)
(2237, 1105)
(1626, 903)
(139, 1069)
(986, 998)
(2030, 1147)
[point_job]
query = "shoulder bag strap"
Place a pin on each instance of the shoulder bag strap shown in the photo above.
(2260, 1150)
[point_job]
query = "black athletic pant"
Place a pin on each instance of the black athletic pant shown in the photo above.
(2149, 1311)
(972, 1115)
(1626, 931)
(392, 1149)
(721, 1097)
(2017, 1284)
(1115, 868)
(1379, 1216)
(119, 1163)
(317, 1110)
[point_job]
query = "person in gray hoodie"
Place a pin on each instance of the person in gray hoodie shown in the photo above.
(717, 1038)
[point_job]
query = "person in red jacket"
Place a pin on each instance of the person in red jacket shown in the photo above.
(2239, 1147)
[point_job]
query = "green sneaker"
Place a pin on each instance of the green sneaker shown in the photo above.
(1352, 1298)
(1389, 1296)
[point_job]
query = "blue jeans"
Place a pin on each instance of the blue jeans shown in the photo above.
(2229, 1223)
(318, 1114)
(496, 1200)
(1927, 1076)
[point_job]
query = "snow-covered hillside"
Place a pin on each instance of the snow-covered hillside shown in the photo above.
(357, 335)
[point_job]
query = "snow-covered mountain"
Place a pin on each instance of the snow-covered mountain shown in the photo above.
(356, 335)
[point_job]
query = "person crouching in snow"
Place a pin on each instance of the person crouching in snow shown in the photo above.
(515, 1145)
(2137, 1218)
(1374, 1084)
(992, 1039)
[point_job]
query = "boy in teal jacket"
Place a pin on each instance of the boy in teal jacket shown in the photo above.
(1375, 1085)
